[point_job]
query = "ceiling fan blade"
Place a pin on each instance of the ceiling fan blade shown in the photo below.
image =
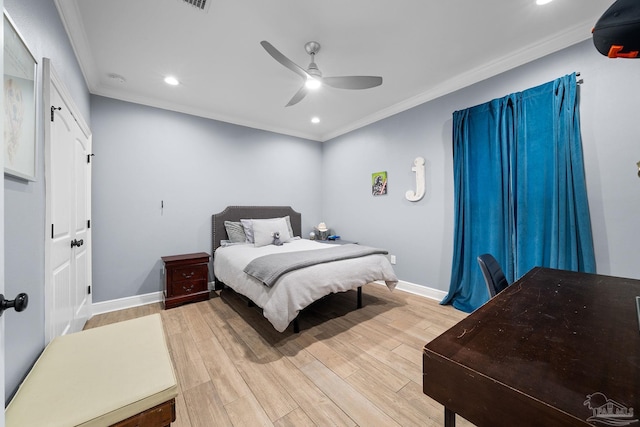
(298, 96)
(352, 82)
(275, 53)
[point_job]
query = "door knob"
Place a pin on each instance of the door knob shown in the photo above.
(77, 243)
(18, 304)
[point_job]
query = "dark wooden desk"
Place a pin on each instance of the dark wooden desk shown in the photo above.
(556, 348)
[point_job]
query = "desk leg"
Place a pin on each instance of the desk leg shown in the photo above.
(449, 418)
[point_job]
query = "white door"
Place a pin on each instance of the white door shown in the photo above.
(68, 206)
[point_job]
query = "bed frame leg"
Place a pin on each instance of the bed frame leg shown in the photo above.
(359, 297)
(296, 326)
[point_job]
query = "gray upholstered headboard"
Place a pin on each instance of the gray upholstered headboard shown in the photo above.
(236, 213)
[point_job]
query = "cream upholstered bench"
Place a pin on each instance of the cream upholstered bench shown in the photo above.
(120, 374)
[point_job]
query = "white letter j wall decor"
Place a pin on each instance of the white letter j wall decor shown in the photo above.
(418, 168)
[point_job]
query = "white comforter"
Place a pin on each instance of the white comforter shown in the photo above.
(297, 289)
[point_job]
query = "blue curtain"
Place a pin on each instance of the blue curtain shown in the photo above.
(520, 190)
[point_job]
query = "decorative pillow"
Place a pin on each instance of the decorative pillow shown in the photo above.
(263, 230)
(235, 232)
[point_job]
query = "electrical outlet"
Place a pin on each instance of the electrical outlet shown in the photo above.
(393, 259)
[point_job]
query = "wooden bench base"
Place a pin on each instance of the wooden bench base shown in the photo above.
(159, 416)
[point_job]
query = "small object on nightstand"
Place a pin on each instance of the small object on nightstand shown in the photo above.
(321, 231)
(186, 278)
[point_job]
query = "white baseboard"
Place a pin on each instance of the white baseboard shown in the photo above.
(123, 303)
(423, 291)
(129, 302)
(154, 297)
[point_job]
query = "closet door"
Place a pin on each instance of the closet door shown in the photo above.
(68, 248)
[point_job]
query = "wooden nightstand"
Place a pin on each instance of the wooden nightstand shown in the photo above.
(186, 278)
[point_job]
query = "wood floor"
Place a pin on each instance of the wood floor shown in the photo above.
(346, 367)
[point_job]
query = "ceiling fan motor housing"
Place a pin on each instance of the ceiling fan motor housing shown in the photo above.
(312, 48)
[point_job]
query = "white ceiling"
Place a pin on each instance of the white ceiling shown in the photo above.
(422, 49)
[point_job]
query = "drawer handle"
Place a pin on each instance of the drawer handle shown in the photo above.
(188, 288)
(188, 276)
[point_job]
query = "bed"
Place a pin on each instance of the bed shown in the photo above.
(282, 295)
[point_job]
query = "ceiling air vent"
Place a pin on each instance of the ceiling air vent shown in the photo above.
(199, 4)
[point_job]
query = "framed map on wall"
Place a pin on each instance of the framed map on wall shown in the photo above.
(19, 105)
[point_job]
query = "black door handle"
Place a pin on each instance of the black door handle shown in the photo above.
(18, 304)
(77, 243)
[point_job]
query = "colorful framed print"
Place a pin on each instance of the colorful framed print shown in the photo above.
(379, 183)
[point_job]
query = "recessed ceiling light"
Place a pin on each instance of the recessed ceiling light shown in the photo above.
(170, 80)
(541, 2)
(315, 120)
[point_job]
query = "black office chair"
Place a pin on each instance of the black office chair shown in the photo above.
(493, 275)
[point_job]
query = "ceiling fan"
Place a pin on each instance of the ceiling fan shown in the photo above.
(313, 76)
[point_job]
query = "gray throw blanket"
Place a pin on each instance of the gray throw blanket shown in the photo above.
(269, 268)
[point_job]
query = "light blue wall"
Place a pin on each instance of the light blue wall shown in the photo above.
(418, 233)
(421, 233)
(144, 156)
(39, 23)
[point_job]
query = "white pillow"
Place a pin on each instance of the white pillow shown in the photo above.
(286, 218)
(263, 230)
(247, 225)
(248, 229)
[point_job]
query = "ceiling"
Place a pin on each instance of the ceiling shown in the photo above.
(422, 49)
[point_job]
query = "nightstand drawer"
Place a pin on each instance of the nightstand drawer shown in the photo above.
(190, 272)
(186, 287)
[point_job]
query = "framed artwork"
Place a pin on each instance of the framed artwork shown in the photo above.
(379, 183)
(20, 71)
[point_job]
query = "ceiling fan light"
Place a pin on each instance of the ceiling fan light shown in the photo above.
(170, 80)
(312, 83)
